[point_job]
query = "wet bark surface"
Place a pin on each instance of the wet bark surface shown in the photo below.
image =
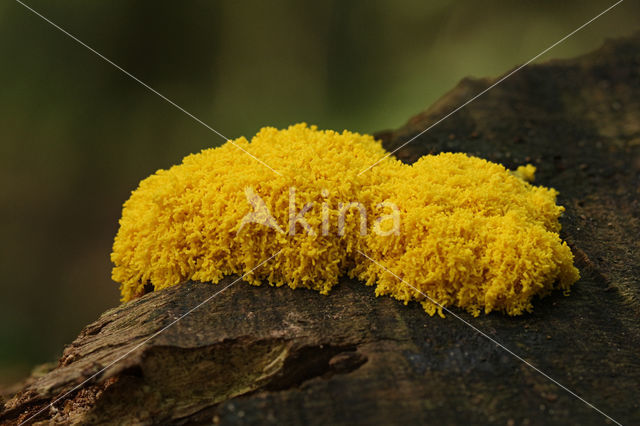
(256, 355)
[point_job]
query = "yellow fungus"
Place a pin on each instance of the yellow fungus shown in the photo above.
(527, 172)
(464, 231)
(473, 235)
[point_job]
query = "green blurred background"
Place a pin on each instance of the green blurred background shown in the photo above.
(76, 134)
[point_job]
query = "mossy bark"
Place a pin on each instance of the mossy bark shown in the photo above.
(256, 355)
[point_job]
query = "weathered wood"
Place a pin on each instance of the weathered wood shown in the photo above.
(256, 355)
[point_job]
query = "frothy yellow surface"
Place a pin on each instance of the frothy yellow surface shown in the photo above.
(472, 234)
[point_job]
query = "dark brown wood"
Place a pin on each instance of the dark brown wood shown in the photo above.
(256, 355)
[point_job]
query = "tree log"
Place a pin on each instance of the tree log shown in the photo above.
(256, 355)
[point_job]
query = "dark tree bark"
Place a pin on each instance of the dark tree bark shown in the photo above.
(257, 355)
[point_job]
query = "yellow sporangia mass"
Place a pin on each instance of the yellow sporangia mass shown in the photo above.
(449, 230)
